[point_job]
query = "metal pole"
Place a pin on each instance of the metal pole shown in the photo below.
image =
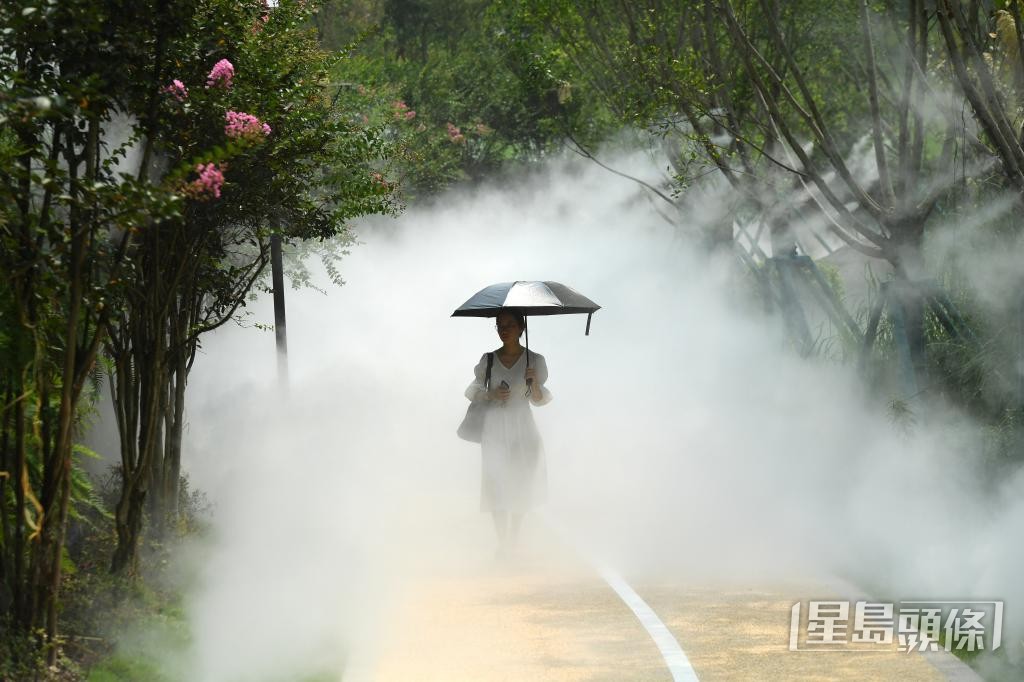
(280, 328)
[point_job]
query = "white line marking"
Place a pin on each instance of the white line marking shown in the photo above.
(677, 662)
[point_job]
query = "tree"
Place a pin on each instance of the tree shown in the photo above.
(455, 83)
(988, 64)
(135, 208)
(70, 209)
(778, 97)
(669, 68)
(913, 156)
(300, 168)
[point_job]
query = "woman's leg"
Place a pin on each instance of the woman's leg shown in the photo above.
(501, 526)
(514, 521)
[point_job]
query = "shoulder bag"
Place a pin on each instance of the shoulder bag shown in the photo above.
(472, 426)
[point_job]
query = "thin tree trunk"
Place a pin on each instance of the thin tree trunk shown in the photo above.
(20, 474)
(172, 460)
(151, 377)
(908, 271)
(983, 103)
(7, 585)
(57, 467)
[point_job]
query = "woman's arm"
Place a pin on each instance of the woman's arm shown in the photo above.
(538, 371)
(476, 391)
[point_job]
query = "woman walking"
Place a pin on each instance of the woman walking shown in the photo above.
(514, 474)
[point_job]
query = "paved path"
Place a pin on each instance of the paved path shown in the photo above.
(551, 617)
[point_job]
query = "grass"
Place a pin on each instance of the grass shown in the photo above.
(122, 668)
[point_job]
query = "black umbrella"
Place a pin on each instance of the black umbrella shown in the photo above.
(527, 298)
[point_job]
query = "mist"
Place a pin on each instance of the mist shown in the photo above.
(686, 439)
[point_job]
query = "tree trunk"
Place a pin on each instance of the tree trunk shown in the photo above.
(6, 467)
(172, 460)
(148, 352)
(908, 267)
(21, 601)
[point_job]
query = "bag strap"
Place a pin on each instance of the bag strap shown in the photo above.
(487, 379)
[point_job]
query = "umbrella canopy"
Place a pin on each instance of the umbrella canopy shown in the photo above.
(527, 298)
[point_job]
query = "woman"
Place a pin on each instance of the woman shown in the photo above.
(514, 472)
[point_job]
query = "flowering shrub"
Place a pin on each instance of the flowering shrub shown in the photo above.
(240, 125)
(221, 75)
(177, 90)
(208, 184)
(402, 110)
(455, 133)
(379, 182)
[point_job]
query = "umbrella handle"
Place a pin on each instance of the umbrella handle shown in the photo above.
(526, 328)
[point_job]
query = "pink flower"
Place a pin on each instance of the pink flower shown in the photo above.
(454, 134)
(257, 25)
(176, 89)
(240, 125)
(402, 111)
(207, 185)
(221, 75)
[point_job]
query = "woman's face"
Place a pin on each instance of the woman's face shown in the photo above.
(508, 327)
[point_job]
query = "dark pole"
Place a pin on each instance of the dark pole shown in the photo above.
(280, 328)
(526, 328)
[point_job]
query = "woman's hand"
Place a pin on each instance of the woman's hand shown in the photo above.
(499, 393)
(535, 392)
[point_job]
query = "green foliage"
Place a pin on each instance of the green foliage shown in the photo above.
(195, 510)
(86, 505)
(313, 171)
(102, 213)
(465, 90)
(122, 668)
(902, 415)
(20, 657)
(112, 620)
(1004, 439)
(99, 206)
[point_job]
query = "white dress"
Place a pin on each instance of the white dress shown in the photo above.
(514, 473)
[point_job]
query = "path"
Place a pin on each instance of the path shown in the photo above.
(550, 617)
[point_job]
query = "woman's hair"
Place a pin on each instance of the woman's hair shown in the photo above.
(519, 317)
